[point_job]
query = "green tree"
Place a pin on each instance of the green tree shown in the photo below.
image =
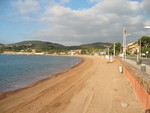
(83, 51)
(117, 48)
(29, 50)
(1, 50)
(145, 44)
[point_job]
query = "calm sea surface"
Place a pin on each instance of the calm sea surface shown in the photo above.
(17, 71)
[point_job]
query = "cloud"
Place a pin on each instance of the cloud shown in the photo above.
(145, 6)
(57, 11)
(27, 6)
(103, 22)
(94, 1)
(120, 7)
(64, 1)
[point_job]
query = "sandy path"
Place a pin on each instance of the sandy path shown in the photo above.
(95, 86)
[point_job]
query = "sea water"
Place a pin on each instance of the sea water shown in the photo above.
(17, 71)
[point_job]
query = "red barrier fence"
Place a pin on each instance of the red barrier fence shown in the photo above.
(140, 91)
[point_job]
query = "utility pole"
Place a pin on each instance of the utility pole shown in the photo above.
(108, 53)
(114, 50)
(140, 48)
(125, 43)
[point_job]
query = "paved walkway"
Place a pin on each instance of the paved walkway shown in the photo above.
(133, 63)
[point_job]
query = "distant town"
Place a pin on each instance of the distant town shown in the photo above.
(98, 48)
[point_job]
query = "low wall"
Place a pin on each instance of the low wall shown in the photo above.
(140, 86)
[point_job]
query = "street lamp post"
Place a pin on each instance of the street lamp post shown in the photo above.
(147, 27)
(146, 53)
(124, 32)
(108, 50)
(108, 54)
(125, 43)
(114, 50)
(139, 53)
(139, 50)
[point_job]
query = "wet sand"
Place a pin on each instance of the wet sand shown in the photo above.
(94, 86)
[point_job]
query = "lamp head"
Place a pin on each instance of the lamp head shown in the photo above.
(128, 34)
(147, 27)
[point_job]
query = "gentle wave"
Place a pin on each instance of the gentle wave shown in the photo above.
(17, 71)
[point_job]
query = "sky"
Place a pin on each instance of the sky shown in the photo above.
(73, 22)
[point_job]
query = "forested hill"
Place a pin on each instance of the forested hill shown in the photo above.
(97, 45)
(29, 46)
(1, 45)
(40, 45)
(46, 46)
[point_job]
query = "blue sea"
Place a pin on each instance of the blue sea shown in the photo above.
(17, 71)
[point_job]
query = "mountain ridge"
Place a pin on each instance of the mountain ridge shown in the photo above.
(37, 43)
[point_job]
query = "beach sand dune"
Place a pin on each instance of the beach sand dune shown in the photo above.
(94, 86)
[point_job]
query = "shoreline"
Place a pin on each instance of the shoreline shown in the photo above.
(93, 86)
(49, 76)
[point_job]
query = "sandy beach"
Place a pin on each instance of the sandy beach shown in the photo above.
(94, 86)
